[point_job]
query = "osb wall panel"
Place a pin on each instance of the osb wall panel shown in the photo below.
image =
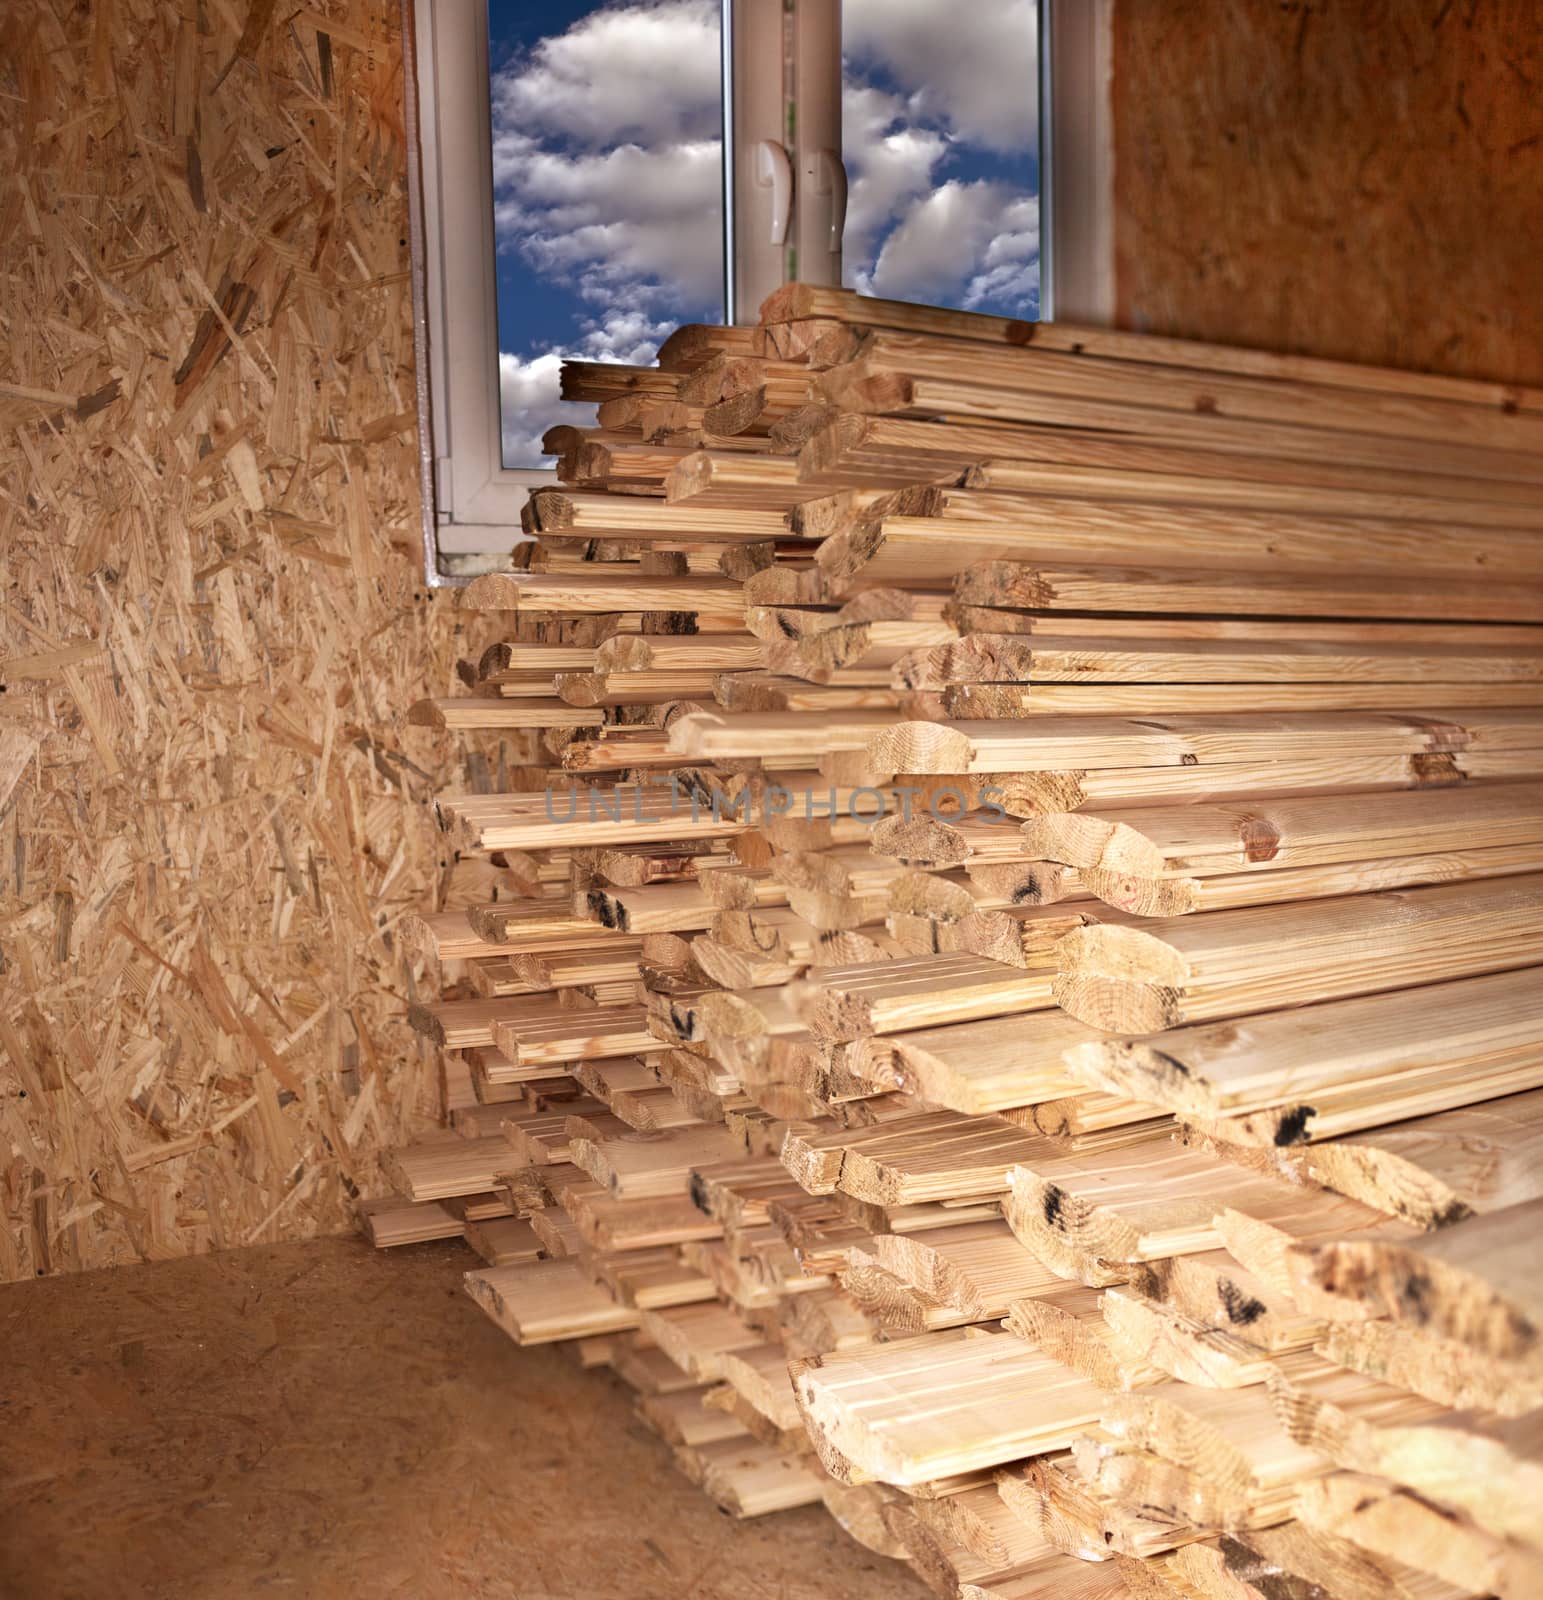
(1355, 180)
(213, 821)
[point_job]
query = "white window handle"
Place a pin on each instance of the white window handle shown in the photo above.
(830, 177)
(774, 171)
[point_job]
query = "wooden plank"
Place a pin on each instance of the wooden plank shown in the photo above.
(943, 1404)
(1229, 963)
(544, 1301)
(802, 300)
(1321, 1070)
(1477, 1282)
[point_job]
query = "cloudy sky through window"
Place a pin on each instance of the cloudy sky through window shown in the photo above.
(607, 162)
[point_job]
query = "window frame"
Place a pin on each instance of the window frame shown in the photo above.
(471, 501)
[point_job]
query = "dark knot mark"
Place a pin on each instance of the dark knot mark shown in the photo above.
(1242, 1309)
(1292, 1128)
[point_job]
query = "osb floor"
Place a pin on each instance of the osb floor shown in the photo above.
(318, 1419)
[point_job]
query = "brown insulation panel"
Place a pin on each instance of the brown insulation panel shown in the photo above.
(1362, 181)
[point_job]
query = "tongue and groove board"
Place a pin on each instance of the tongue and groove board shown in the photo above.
(1006, 1004)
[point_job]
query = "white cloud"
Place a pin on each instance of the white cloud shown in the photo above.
(963, 244)
(607, 158)
(889, 163)
(528, 393)
(970, 67)
(647, 218)
(607, 171)
(528, 390)
(644, 73)
(1007, 272)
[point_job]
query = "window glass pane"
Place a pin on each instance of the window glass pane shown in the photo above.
(940, 140)
(607, 190)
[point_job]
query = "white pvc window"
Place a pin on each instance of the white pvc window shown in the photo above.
(593, 175)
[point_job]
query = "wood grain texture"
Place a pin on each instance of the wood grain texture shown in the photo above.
(216, 622)
(1359, 182)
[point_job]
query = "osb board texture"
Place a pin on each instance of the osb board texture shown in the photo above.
(1360, 181)
(198, 1430)
(212, 811)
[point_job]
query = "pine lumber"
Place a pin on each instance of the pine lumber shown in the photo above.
(865, 386)
(1440, 1168)
(1089, 1523)
(734, 479)
(1477, 1281)
(750, 1479)
(889, 997)
(1029, 793)
(1067, 853)
(798, 301)
(1144, 1336)
(604, 690)
(934, 1157)
(391, 1220)
(601, 380)
(696, 1338)
(572, 1035)
(1000, 1550)
(979, 1269)
(1490, 1468)
(1089, 1219)
(442, 1168)
(1179, 896)
(1440, 1369)
(1292, 1559)
(1015, 702)
(652, 1280)
(651, 522)
(1230, 963)
(943, 1404)
(503, 1241)
(654, 908)
(608, 1224)
(1186, 476)
(612, 960)
(1054, 743)
(1230, 1438)
(1039, 373)
(777, 738)
(447, 936)
(543, 1301)
(1392, 1523)
(1201, 840)
(1046, 586)
(932, 551)
(1068, 1324)
(648, 1370)
(1071, 656)
(475, 712)
(683, 1420)
(641, 1165)
(1316, 1071)
(597, 593)
(466, 1024)
(584, 815)
(1177, 1506)
(994, 1064)
(1214, 1288)
(1266, 1244)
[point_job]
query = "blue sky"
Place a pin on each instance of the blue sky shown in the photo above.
(607, 151)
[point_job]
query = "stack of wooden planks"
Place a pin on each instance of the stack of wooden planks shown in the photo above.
(1008, 1001)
